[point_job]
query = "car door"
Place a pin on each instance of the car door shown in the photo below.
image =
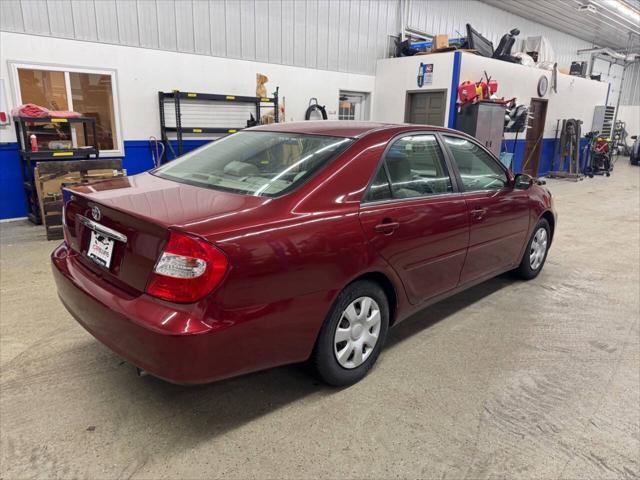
(498, 213)
(415, 218)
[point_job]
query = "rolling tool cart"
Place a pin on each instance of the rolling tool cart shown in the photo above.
(598, 157)
(45, 139)
(207, 113)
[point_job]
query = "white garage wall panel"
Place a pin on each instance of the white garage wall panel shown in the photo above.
(141, 73)
(397, 76)
(576, 97)
(342, 35)
(610, 73)
(451, 17)
(631, 85)
(630, 114)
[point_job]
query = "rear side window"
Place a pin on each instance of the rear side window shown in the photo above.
(478, 170)
(255, 163)
(412, 167)
(416, 167)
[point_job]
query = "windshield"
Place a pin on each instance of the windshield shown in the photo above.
(255, 163)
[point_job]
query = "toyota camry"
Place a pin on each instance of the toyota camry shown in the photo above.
(292, 242)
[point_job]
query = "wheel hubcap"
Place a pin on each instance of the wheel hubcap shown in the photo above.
(357, 332)
(538, 248)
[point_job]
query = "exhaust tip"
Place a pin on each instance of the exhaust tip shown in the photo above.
(141, 373)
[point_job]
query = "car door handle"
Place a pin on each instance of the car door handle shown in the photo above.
(386, 227)
(478, 213)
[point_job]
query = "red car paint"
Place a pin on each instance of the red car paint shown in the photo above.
(289, 257)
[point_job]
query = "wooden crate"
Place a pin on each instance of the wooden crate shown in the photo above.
(50, 177)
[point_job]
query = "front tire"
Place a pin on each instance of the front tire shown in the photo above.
(536, 252)
(352, 335)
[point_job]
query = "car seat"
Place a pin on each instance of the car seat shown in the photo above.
(401, 175)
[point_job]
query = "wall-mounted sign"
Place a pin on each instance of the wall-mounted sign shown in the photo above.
(425, 74)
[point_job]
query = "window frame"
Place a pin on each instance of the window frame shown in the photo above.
(67, 69)
(363, 109)
(382, 164)
(452, 160)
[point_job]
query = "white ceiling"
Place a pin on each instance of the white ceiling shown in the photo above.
(610, 26)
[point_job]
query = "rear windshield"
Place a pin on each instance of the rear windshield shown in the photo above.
(255, 163)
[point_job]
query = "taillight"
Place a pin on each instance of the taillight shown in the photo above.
(187, 270)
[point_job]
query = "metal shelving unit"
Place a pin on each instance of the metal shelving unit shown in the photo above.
(181, 99)
(25, 127)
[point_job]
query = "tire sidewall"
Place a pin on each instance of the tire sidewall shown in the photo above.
(326, 362)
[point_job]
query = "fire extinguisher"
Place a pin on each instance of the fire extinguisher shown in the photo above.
(34, 143)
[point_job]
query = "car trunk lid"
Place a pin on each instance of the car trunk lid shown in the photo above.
(134, 215)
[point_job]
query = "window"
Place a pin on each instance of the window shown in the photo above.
(353, 106)
(416, 167)
(379, 189)
(255, 163)
(89, 92)
(479, 171)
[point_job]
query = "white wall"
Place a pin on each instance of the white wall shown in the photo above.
(611, 73)
(396, 76)
(141, 73)
(631, 115)
(576, 97)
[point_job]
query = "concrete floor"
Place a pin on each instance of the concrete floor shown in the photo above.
(507, 380)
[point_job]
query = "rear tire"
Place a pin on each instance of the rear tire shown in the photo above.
(352, 335)
(535, 254)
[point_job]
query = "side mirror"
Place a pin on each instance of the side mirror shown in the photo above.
(523, 181)
(634, 137)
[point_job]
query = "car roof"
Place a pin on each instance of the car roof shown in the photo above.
(338, 128)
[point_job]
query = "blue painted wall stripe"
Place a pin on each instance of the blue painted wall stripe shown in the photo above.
(13, 203)
(455, 81)
(138, 159)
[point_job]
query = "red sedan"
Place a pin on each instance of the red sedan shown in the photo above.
(292, 242)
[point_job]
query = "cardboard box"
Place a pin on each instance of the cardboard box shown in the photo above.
(440, 41)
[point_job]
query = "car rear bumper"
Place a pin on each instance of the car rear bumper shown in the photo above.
(172, 342)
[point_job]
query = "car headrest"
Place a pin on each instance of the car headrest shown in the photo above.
(241, 169)
(399, 166)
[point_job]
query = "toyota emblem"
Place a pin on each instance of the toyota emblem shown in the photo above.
(96, 214)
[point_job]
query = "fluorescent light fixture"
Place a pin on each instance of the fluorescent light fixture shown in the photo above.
(589, 7)
(624, 9)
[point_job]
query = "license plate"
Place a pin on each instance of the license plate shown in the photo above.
(100, 249)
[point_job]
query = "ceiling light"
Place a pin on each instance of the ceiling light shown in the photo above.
(587, 8)
(624, 10)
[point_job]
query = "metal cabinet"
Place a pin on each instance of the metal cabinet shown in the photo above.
(485, 122)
